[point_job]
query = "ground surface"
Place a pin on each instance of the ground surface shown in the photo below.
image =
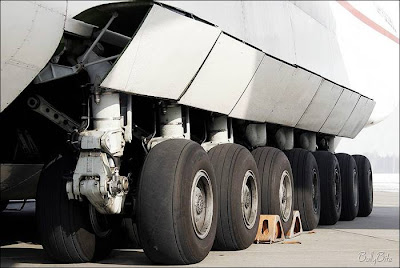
(371, 241)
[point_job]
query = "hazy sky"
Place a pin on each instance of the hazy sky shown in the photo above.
(382, 138)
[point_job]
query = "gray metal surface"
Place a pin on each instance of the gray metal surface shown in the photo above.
(224, 76)
(320, 107)
(161, 61)
(19, 181)
(177, 57)
(264, 24)
(266, 86)
(358, 118)
(340, 113)
(293, 100)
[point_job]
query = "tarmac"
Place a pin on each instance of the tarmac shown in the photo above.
(369, 242)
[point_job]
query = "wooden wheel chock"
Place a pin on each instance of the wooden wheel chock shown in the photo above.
(269, 229)
(296, 228)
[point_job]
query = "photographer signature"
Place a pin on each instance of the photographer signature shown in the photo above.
(374, 257)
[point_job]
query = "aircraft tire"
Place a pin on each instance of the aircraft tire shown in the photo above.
(331, 189)
(365, 187)
(307, 195)
(238, 188)
(3, 205)
(349, 175)
(64, 225)
(276, 179)
(177, 204)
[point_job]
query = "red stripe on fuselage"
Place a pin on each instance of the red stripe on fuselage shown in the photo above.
(368, 21)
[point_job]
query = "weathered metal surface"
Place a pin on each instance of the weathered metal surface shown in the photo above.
(320, 107)
(30, 33)
(358, 118)
(223, 77)
(169, 49)
(264, 24)
(271, 78)
(164, 55)
(290, 103)
(340, 113)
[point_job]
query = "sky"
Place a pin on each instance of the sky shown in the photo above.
(382, 138)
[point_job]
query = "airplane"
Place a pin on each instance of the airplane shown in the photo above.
(191, 118)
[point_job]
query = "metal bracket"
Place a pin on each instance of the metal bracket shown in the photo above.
(41, 106)
(55, 71)
(220, 131)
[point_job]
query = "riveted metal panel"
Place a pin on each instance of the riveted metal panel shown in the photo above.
(164, 55)
(358, 118)
(266, 87)
(311, 43)
(341, 112)
(291, 103)
(30, 33)
(224, 76)
(263, 24)
(320, 107)
(268, 27)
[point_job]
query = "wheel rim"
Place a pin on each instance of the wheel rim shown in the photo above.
(285, 196)
(314, 190)
(249, 198)
(336, 187)
(201, 204)
(370, 190)
(355, 187)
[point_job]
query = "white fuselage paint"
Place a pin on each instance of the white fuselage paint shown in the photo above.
(321, 37)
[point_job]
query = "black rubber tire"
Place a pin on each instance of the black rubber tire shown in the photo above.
(365, 186)
(3, 205)
(231, 162)
(129, 237)
(272, 163)
(331, 189)
(64, 225)
(164, 219)
(348, 173)
(307, 198)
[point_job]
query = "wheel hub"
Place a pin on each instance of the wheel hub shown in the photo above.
(355, 187)
(249, 199)
(370, 186)
(285, 196)
(201, 204)
(314, 190)
(336, 189)
(199, 201)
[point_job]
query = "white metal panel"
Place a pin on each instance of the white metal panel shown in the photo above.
(268, 27)
(319, 11)
(311, 40)
(293, 100)
(358, 118)
(264, 24)
(338, 69)
(320, 107)
(266, 87)
(30, 33)
(339, 115)
(227, 15)
(224, 76)
(163, 56)
(77, 7)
